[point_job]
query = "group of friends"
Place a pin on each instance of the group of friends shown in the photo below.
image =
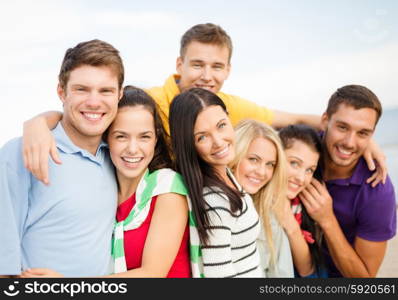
(184, 180)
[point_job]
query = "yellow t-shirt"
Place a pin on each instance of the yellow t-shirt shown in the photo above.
(238, 108)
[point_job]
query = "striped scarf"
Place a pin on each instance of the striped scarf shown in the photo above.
(159, 182)
(297, 212)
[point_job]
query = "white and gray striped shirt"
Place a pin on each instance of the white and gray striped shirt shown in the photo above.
(231, 250)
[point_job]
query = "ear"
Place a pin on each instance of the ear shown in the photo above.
(61, 93)
(179, 63)
(324, 121)
(121, 92)
(228, 69)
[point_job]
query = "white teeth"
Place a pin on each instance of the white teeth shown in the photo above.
(294, 185)
(254, 180)
(221, 152)
(93, 116)
(131, 159)
(345, 152)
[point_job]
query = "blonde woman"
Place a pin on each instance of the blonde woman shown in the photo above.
(259, 166)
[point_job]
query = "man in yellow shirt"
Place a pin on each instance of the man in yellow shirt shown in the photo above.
(205, 62)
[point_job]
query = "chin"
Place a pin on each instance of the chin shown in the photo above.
(292, 195)
(251, 190)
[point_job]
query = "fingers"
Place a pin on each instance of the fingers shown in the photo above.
(54, 153)
(43, 166)
(369, 160)
(308, 200)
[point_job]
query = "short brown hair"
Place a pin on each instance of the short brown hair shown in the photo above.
(208, 34)
(93, 53)
(356, 96)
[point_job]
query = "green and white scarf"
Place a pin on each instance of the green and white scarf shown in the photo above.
(194, 245)
(159, 182)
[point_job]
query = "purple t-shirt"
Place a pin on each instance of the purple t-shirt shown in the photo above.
(363, 211)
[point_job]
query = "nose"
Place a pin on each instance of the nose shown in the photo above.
(299, 176)
(217, 141)
(349, 140)
(132, 146)
(206, 73)
(261, 170)
(93, 100)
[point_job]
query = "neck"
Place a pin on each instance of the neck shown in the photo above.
(89, 143)
(127, 186)
(222, 173)
(333, 171)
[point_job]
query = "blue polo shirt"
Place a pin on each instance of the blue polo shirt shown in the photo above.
(66, 226)
(363, 211)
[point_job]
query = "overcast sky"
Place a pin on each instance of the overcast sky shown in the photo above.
(288, 55)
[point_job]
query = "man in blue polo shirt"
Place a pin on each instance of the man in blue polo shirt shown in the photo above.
(67, 226)
(357, 219)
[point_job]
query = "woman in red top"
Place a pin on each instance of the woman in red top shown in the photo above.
(157, 243)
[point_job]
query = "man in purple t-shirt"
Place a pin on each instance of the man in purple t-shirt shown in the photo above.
(356, 218)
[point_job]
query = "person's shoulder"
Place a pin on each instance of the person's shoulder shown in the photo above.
(215, 197)
(229, 97)
(11, 158)
(11, 149)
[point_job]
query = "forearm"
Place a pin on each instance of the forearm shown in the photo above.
(300, 252)
(282, 119)
(50, 118)
(142, 272)
(344, 256)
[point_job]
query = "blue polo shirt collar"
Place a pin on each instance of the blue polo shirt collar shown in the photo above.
(65, 144)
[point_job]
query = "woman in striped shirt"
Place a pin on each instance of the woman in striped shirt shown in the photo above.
(224, 217)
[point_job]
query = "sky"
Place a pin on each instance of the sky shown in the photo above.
(288, 55)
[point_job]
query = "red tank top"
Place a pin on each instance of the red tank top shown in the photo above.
(134, 242)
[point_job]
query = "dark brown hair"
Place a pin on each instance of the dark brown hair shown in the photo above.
(207, 34)
(93, 53)
(356, 96)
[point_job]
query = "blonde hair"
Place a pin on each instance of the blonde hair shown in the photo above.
(270, 198)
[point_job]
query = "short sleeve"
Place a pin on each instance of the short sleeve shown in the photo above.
(377, 213)
(13, 211)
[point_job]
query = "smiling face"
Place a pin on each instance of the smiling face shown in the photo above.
(132, 141)
(257, 166)
(347, 135)
(302, 161)
(203, 66)
(214, 137)
(90, 101)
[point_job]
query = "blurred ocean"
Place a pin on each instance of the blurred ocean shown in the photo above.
(386, 136)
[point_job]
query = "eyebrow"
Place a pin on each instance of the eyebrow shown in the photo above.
(124, 132)
(292, 156)
(367, 130)
(196, 61)
(77, 85)
(202, 132)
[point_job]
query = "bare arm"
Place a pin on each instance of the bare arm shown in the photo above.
(38, 143)
(298, 245)
(362, 260)
(283, 119)
(166, 231)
